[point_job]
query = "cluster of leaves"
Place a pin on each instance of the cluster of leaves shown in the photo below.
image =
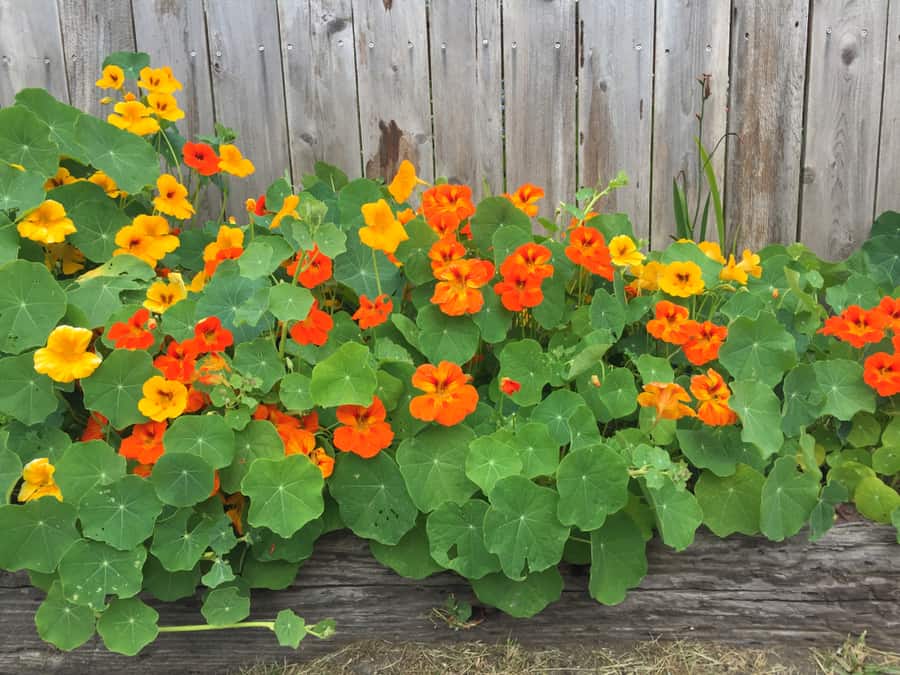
(557, 462)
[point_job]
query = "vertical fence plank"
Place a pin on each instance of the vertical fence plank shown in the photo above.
(91, 30)
(248, 89)
(889, 152)
(392, 67)
(320, 83)
(31, 51)
(615, 100)
(846, 67)
(539, 45)
(466, 64)
(763, 173)
(692, 38)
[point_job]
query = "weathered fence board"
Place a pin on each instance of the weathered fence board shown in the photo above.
(392, 66)
(692, 39)
(539, 45)
(741, 590)
(320, 83)
(615, 102)
(768, 62)
(889, 150)
(846, 67)
(31, 51)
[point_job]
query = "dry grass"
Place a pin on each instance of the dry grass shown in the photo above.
(647, 658)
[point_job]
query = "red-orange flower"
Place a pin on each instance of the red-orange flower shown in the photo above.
(519, 290)
(210, 337)
(315, 268)
(881, 371)
(456, 292)
(669, 323)
(448, 396)
(890, 308)
(534, 258)
(443, 252)
(134, 333)
(364, 431)
(587, 247)
(145, 444)
(211, 367)
(713, 393)
(323, 460)
(178, 363)
(703, 341)
(857, 326)
(526, 197)
(446, 206)
(313, 330)
(509, 386)
(201, 157)
(297, 441)
(197, 400)
(95, 429)
(668, 399)
(373, 313)
(234, 506)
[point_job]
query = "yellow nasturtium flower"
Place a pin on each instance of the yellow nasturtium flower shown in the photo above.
(39, 482)
(66, 358)
(47, 224)
(740, 271)
(624, 251)
(163, 294)
(62, 177)
(108, 184)
(113, 77)
(288, 208)
(681, 279)
(712, 250)
(158, 80)
(232, 161)
(165, 106)
(383, 232)
(70, 259)
(172, 199)
(163, 399)
(147, 238)
(404, 182)
(133, 116)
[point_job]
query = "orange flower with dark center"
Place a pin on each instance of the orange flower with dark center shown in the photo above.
(881, 371)
(201, 157)
(373, 313)
(323, 460)
(145, 444)
(456, 292)
(313, 330)
(713, 393)
(178, 363)
(443, 252)
(669, 323)
(315, 268)
(519, 290)
(668, 399)
(703, 341)
(234, 506)
(134, 333)
(95, 429)
(364, 431)
(526, 197)
(890, 308)
(229, 245)
(509, 386)
(857, 326)
(210, 337)
(534, 258)
(296, 441)
(587, 247)
(448, 396)
(446, 206)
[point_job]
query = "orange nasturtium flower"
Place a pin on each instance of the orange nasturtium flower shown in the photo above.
(712, 393)
(519, 290)
(382, 232)
(890, 308)
(405, 216)
(62, 177)
(229, 245)
(373, 313)
(209, 337)
(681, 279)
(133, 333)
(509, 386)
(881, 372)
(232, 161)
(323, 460)
(178, 363)
(316, 268)
(172, 199)
(404, 182)
(712, 250)
(46, 224)
(201, 158)
(446, 206)
(703, 341)
(66, 358)
(145, 444)
(288, 208)
(314, 329)
(624, 252)
(113, 77)
(526, 197)
(587, 247)
(95, 429)
(740, 271)
(669, 323)
(158, 80)
(163, 294)
(456, 292)
(668, 399)
(165, 107)
(108, 184)
(162, 398)
(443, 252)
(69, 258)
(133, 116)
(364, 431)
(856, 326)
(38, 481)
(533, 258)
(147, 238)
(448, 396)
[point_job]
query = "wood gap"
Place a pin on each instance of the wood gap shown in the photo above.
(723, 188)
(62, 49)
(803, 130)
(503, 101)
(430, 88)
(362, 161)
(884, 60)
(652, 124)
(284, 89)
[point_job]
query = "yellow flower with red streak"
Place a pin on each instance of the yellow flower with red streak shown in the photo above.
(148, 238)
(163, 294)
(47, 224)
(38, 481)
(165, 107)
(66, 356)
(288, 208)
(158, 80)
(163, 399)
(112, 77)
(172, 199)
(624, 252)
(526, 197)
(382, 232)
(133, 116)
(229, 245)
(232, 161)
(404, 182)
(713, 394)
(681, 279)
(457, 290)
(668, 399)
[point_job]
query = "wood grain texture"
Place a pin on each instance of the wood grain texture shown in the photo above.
(846, 66)
(466, 86)
(248, 89)
(692, 38)
(741, 590)
(763, 174)
(888, 197)
(392, 70)
(539, 45)
(615, 102)
(91, 30)
(320, 83)
(24, 60)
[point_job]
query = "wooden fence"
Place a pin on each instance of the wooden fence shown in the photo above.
(556, 92)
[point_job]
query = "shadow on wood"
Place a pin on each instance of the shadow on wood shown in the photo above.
(741, 590)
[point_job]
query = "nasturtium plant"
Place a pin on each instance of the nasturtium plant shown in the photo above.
(195, 396)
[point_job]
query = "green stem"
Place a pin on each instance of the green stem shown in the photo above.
(377, 276)
(224, 201)
(203, 626)
(174, 156)
(581, 539)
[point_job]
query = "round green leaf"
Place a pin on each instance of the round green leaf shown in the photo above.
(538, 450)
(259, 360)
(274, 575)
(31, 304)
(654, 369)
(96, 216)
(592, 484)
(290, 303)
(127, 626)
(344, 378)
(115, 388)
(20, 190)
(618, 559)
(410, 557)
(456, 539)
(525, 362)
(493, 320)
(259, 439)
(433, 466)
(89, 571)
(758, 349)
(788, 497)
(290, 629)
(491, 458)
(207, 436)
(294, 392)
(523, 598)
(84, 466)
(876, 500)
(356, 268)
(25, 140)
(224, 606)
(10, 473)
(36, 534)
(27, 395)
(841, 382)
(285, 493)
(556, 412)
(446, 338)
(235, 300)
(181, 479)
(885, 460)
(61, 623)
(123, 156)
(121, 514)
(759, 410)
(803, 399)
(169, 586)
(181, 539)
(731, 504)
(298, 547)
(678, 515)
(616, 396)
(607, 312)
(718, 449)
